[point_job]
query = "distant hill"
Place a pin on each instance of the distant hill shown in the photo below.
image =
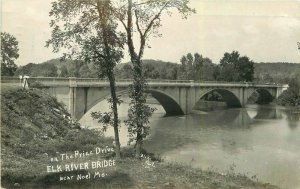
(71, 68)
(154, 69)
(276, 72)
(57, 68)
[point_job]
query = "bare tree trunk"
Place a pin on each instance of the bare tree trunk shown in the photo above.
(112, 84)
(110, 74)
(138, 145)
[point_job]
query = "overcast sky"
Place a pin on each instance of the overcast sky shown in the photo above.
(264, 30)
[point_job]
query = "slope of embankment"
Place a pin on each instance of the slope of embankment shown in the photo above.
(35, 127)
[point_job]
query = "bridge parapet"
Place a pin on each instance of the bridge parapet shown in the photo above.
(89, 82)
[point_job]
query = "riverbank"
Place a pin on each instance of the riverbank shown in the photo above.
(40, 145)
(128, 173)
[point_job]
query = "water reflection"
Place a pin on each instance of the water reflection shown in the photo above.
(268, 112)
(293, 118)
(233, 118)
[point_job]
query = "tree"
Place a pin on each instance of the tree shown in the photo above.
(241, 68)
(198, 63)
(150, 72)
(268, 78)
(291, 96)
(246, 69)
(87, 29)
(126, 72)
(25, 70)
(230, 59)
(64, 71)
(9, 53)
(84, 71)
(228, 73)
(74, 68)
(190, 66)
(196, 67)
(144, 19)
(48, 70)
(171, 73)
(216, 72)
(182, 70)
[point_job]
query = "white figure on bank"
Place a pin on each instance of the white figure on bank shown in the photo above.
(21, 78)
(25, 77)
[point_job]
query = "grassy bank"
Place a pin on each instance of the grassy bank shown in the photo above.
(36, 131)
(131, 173)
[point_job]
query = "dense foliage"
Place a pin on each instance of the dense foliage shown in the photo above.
(9, 53)
(197, 68)
(38, 70)
(153, 69)
(236, 68)
(291, 97)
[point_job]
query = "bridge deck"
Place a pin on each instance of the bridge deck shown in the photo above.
(94, 82)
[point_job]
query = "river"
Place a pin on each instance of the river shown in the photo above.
(258, 141)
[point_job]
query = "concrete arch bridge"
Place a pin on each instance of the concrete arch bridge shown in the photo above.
(177, 97)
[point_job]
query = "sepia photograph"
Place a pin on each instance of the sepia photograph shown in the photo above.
(154, 94)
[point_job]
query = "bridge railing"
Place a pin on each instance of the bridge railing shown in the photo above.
(5, 79)
(131, 80)
(48, 81)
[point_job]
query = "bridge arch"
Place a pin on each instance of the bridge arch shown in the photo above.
(170, 105)
(229, 97)
(264, 96)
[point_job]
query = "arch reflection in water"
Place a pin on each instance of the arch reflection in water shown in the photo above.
(268, 112)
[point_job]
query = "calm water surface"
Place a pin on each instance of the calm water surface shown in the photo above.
(257, 140)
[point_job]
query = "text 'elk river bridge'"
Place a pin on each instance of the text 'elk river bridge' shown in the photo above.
(176, 96)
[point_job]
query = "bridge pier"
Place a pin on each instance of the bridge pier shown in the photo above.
(72, 96)
(72, 100)
(242, 96)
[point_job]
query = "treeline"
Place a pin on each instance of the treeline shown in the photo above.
(232, 67)
(196, 67)
(56, 68)
(153, 69)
